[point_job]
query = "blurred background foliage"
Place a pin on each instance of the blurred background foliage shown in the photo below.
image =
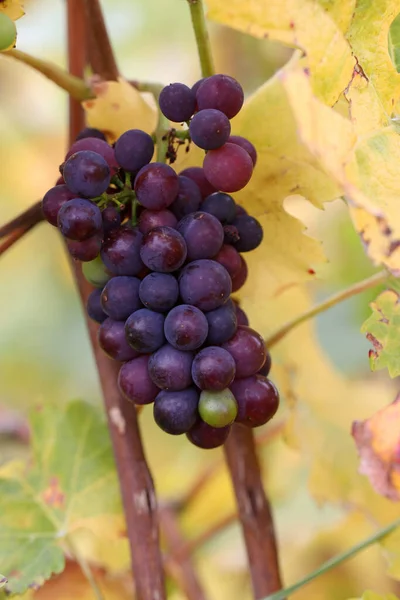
(44, 351)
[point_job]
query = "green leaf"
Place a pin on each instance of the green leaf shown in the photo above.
(383, 330)
(394, 43)
(69, 484)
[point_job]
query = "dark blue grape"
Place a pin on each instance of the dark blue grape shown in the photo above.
(257, 399)
(87, 250)
(90, 132)
(186, 327)
(112, 340)
(176, 412)
(206, 437)
(205, 284)
(149, 219)
(222, 324)
(53, 200)
(213, 369)
(93, 307)
(188, 199)
(135, 383)
(246, 145)
(133, 150)
(197, 175)
(250, 233)
(121, 251)
(159, 291)
(163, 249)
(177, 102)
(221, 205)
(196, 85)
(222, 93)
(87, 174)
(170, 369)
(156, 186)
(99, 147)
(210, 129)
(111, 218)
(242, 318)
(144, 330)
(120, 297)
(79, 219)
(203, 235)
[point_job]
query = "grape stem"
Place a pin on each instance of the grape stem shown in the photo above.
(202, 37)
(353, 290)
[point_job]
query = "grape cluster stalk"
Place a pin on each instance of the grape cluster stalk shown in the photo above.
(164, 254)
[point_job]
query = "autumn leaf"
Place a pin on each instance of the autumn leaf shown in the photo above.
(12, 8)
(375, 596)
(394, 43)
(69, 485)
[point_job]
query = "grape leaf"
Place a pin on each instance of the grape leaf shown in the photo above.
(70, 484)
(374, 596)
(394, 43)
(383, 331)
(12, 8)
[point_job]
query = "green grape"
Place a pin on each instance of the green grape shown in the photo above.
(95, 272)
(8, 32)
(218, 409)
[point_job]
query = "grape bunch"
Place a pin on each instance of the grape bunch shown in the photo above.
(164, 254)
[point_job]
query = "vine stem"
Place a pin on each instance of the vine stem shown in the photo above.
(353, 290)
(202, 37)
(101, 53)
(335, 561)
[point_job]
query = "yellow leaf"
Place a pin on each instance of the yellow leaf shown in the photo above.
(375, 596)
(12, 8)
(118, 106)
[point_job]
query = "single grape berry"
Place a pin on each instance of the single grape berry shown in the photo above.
(111, 218)
(121, 251)
(209, 129)
(250, 233)
(90, 132)
(159, 291)
(205, 284)
(188, 199)
(246, 145)
(99, 146)
(197, 175)
(186, 327)
(135, 383)
(96, 272)
(170, 369)
(221, 205)
(86, 250)
(213, 369)
(206, 437)
(53, 200)
(163, 249)
(229, 258)
(177, 102)
(257, 399)
(144, 330)
(133, 150)
(242, 318)
(79, 219)
(196, 85)
(265, 369)
(228, 168)
(8, 32)
(120, 297)
(149, 219)
(87, 174)
(112, 340)
(221, 92)
(248, 350)
(240, 278)
(176, 412)
(218, 409)
(94, 308)
(203, 235)
(156, 186)
(222, 324)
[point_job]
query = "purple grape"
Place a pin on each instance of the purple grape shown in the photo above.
(228, 168)
(144, 330)
(121, 251)
(205, 284)
(257, 398)
(170, 369)
(222, 324)
(112, 340)
(265, 369)
(120, 297)
(156, 186)
(93, 307)
(221, 205)
(177, 102)
(246, 145)
(229, 258)
(98, 146)
(209, 129)
(111, 218)
(90, 132)
(135, 383)
(197, 175)
(240, 278)
(240, 210)
(231, 234)
(149, 219)
(207, 437)
(250, 233)
(86, 250)
(133, 150)
(53, 200)
(248, 350)
(196, 85)
(87, 174)
(176, 412)
(222, 93)
(188, 199)
(163, 249)
(203, 235)
(242, 318)
(79, 219)
(159, 291)
(186, 327)
(213, 369)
